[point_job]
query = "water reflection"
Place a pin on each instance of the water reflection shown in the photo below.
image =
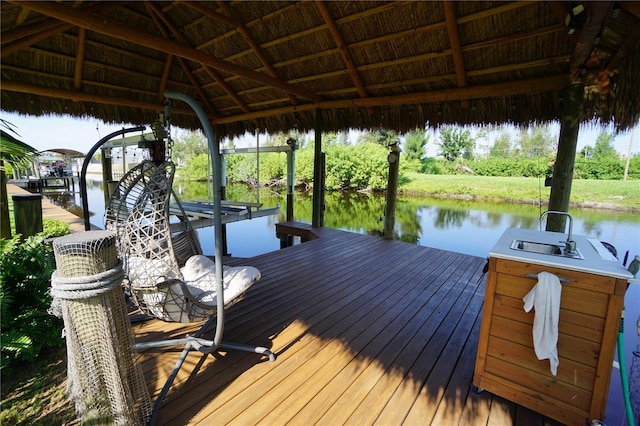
(463, 226)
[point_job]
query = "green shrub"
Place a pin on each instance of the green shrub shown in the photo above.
(511, 167)
(606, 168)
(195, 169)
(25, 273)
(363, 166)
(52, 228)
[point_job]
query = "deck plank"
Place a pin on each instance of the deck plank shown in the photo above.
(366, 330)
(334, 320)
(374, 327)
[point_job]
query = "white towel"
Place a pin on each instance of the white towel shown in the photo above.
(545, 298)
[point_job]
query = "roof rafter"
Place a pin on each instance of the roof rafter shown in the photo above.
(389, 37)
(454, 41)
(112, 28)
(408, 62)
(420, 30)
(77, 73)
(31, 34)
(165, 77)
(431, 79)
(21, 31)
(245, 33)
(69, 80)
(161, 21)
(22, 16)
(71, 95)
(240, 28)
(597, 12)
(342, 47)
(522, 87)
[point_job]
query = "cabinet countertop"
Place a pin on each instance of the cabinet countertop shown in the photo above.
(597, 260)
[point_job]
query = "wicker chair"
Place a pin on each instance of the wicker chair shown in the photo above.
(167, 276)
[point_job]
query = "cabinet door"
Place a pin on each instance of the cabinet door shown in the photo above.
(506, 363)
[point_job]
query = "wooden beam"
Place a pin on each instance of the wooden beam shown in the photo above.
(15, 86)
(161, 21)
(403, 34)
(31, 34)
(309, 31)
(64, 81)
(422, 80)
(228, 19)
(249, 39)
(220, 82)
(165, 77)
(376, 10)
(22, 16)
(79, 66)
(597, 12)
(434, 55)
(454, 42)
(514, 37)
(110, 27)
(523, 87)
(14, 34)
(30, 40)
(631, 7)
(342, 47)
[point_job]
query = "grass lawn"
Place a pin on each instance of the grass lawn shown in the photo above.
(609, 194)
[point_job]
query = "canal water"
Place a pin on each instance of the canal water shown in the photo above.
(469, 227)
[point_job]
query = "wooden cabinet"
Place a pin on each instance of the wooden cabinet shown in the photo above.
(506, 364)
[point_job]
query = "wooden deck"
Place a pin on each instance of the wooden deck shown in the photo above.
(366, 331)
(51, 211)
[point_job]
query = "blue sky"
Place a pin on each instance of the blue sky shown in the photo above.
(48, 132)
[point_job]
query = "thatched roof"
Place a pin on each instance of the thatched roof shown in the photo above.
(365, 64)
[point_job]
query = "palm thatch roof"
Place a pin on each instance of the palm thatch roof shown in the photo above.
(364, 64)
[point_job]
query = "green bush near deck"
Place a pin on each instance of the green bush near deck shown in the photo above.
(25, 274)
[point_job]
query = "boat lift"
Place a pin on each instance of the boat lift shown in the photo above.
(201, 213)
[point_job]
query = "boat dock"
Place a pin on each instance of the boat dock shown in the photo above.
(51, 211)
(366, 331)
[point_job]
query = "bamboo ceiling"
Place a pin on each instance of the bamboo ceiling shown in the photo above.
(365, 64)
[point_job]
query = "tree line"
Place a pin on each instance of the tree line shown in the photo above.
(363, 164)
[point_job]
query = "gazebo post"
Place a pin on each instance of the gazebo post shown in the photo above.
(318, 174)
(392, 190)
(107, 173)
(565, 158)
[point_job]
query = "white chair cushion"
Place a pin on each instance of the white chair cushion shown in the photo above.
(200, 277)
(144, 275)
(144, 272)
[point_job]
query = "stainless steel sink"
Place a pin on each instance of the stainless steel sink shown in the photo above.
(544, 248)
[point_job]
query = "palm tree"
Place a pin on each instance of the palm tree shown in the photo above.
(17, 154)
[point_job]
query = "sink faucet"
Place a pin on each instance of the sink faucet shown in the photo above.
(569, 245)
